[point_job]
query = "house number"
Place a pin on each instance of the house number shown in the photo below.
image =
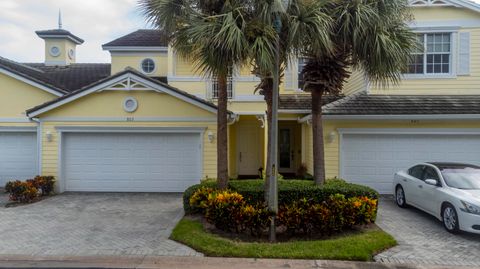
(414, 121)
(130, 119)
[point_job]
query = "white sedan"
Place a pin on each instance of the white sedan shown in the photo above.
(448, 191)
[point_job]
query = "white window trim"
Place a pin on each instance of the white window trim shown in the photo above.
(154, 66)
(210, 89)
(453, 56)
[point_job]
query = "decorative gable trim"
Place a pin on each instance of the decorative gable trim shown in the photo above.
(445, 3)
(124, 81)
(30, 82)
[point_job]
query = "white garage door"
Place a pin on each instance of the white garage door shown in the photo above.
(373, 159)
(131, 162)
(18, 156)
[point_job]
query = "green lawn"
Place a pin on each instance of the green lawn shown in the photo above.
(359, 246)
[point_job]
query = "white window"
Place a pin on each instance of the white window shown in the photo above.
(301, 64)
(148, 66)
(433, 56)
(229, 88)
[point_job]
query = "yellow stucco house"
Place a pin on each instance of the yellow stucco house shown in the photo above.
(146, 122)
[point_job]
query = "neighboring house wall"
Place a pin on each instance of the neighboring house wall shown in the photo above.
(357, 82)
(120, 61)
(464, 77)
(17, 96)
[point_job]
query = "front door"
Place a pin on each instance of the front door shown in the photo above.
(249, 146)
(285, 150)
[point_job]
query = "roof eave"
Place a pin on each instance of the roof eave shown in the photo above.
(327, 116)
(135, 48)
(74, 39)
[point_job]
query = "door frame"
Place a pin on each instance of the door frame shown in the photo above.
(291, 169)
(62, 130)
(396, 131)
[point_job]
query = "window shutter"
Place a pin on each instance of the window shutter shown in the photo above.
(464, 54)
(288, 77)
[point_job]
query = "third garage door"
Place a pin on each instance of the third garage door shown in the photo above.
(373, 159)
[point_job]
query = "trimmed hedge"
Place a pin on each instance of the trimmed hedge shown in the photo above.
(289, 191)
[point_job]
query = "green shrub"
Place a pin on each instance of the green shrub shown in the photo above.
(46, 184)
(335, 214)
(229, 211)
(27, 191)
(191, 190)
(199, 200)
(21, 191)
(289, 191)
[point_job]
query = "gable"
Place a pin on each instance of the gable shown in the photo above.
(17, 96)
(446, 3)
(107, 97)
(110, 104)
(444, 13)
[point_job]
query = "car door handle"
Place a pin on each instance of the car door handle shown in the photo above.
(420, 186)
(405, 179)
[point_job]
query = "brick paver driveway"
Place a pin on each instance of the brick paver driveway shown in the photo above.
(76, 224)
(423, 240)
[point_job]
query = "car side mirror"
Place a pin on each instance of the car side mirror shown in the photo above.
(432, 182)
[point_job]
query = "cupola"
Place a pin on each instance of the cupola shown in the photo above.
(60, 45)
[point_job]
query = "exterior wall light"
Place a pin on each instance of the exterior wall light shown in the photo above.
(211, 136)
(331, 137)
(49, 136)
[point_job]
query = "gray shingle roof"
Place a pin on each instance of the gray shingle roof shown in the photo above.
(75, 76)
(302, 101)
(59, 33)
(364, 104)
(31, 73)
(141, 38)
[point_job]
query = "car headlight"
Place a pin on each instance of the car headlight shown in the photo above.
(471, 208)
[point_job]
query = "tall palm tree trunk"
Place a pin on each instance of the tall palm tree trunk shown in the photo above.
(222, 136)
(317, 132)
(268, 169)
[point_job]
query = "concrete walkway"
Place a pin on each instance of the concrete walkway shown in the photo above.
(197, 263)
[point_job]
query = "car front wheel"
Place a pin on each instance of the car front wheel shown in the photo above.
(400, 197)
(450, 219)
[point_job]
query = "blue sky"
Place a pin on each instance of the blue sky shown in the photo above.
(95, 21)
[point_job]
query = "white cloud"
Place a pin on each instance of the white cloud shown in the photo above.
(97, 22)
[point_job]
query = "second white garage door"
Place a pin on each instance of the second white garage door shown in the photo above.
(373, 159)
(131, 162)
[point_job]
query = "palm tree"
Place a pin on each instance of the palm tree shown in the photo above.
(301, 18)
(211, 33)
(369, 35)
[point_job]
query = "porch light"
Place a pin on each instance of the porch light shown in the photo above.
(49, 136)
(211, 137)
(331, 137)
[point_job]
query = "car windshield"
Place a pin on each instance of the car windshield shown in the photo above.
(467, 178)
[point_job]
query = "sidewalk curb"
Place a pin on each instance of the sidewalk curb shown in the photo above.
(167, 262)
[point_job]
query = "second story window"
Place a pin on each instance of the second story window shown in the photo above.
(148, 66)
(215, 88)
(301, 64)
(433, 56)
